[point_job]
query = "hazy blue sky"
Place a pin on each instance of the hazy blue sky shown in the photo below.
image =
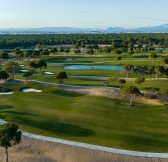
(83, 13)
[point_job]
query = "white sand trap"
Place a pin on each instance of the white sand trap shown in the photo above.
(6, 93)
(48, 73)
(2, 122)
(24, 71)
(22, 65)
(31, 90)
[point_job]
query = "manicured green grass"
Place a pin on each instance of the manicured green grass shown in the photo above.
(90, 72)
(126, 59)
(94, 60)
(89, 119)
(148, 84)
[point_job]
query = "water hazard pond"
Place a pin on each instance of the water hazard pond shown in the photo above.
(82, 67)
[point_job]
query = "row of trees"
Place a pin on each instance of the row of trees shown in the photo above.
(42, 53)
(38, 64)
(158, 71)
(119, 40)
(139, 80)
(9, 69)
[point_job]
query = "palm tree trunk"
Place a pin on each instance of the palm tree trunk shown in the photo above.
(6, 149)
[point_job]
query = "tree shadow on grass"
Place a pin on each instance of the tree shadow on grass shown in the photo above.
(140, 56)
(2, 116)
(66, 93)
(58, 128)
(6, 107)
(19, 113)
(4, 89)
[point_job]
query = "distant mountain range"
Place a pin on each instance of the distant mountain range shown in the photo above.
(155, 29)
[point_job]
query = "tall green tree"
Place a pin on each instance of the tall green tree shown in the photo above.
(41, 64)
(165, 60)
(28, 75)
(118, 52)
(67, 51)
(151, 70)
(140, 81)
(107, 50)
(118, 58)
(130, 92)
(45, 52)
(90, 52)
(38, 64)
(121, 82)
(77, 51)
(36, 54)
(28, 54)
(4, 55)
(61, 50)
(159, 71)
(54, 50)
(4, 75)
(153, 56)
(11, 68)
(62, 75)
(10, 135)
(114, 45)
(131, 46)
(128, 69)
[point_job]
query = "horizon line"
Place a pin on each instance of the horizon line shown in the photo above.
(102, 28)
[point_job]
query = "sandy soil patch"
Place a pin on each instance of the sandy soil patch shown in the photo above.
(111, 93)
(33, 150)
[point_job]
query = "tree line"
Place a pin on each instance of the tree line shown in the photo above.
(120, 40)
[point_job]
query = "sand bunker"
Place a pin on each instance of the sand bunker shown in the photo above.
(31, 90)
(22, 65)
(48, 73)
(24, 71)
(2, 122)
(6, 93)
